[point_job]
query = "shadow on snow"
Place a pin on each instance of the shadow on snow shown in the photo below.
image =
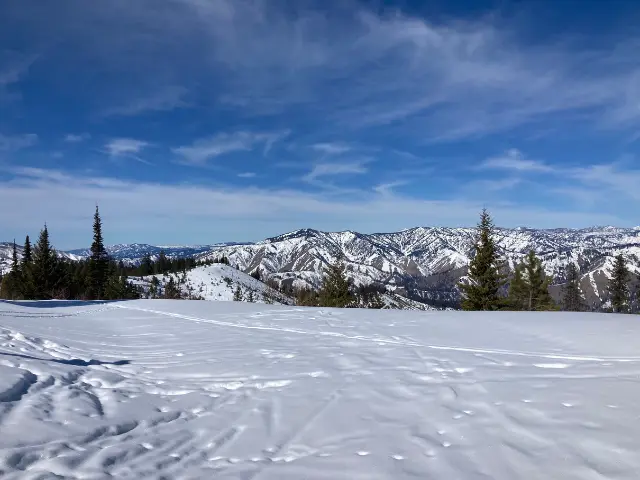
(73, 361)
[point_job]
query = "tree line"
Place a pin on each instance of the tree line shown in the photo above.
(489, 287)
(43, 275)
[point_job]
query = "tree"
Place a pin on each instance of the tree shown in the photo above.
(336, 288)
(529, 289)
(172, 290)
(618, 286)
(98, 262)
(146, 266)
(250, 297)
(26, 252)
(45, 268)
(11, 282)
(485, 280)
(237, 294)
(573, 299)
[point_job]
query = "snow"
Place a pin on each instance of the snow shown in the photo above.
(189, 390)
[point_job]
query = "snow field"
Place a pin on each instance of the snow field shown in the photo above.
(188, 390)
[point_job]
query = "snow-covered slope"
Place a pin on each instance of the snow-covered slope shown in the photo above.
(228, 390)
(218, 282)
(428, 262)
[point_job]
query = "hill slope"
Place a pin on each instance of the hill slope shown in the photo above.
(177, 389)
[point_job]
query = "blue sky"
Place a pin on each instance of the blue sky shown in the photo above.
(198, 121)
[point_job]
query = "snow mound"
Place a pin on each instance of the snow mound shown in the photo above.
(179, 389)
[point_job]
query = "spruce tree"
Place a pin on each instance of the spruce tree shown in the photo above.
(336, 288)
(529, 289)
(573, 298)
(618, 286)
(46, 279)
(98, 262)
(26, 252)
(485, 280)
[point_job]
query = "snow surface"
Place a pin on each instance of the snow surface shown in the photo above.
(189, 390)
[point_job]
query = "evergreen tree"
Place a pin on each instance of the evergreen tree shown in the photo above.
(529, 289)
(250, 297)
(573, 298)
(485, 279)
(618, 286)
(172, 290)
(98, 262)
(237, 294)
(45, 268)
(336, 288)
(26, 252)
(146, 267)
(11, 282)
(26, 283)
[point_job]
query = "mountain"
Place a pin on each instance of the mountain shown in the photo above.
(133, 253)
(426, 263)
(422, 263)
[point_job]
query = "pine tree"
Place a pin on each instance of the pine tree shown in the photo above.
(26, 252)
(529, 289)
(171, 289)
(237, 294)
(485, 279)
(336, 288)
(618, 286)
(98, 262)
(250, 297)
(45, 268)
(573, 299)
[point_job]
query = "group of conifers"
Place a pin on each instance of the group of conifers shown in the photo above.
(42, 274)
(528, 286)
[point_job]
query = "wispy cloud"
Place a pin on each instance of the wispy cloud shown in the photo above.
(14, 67)
(127, 148)
(202, 150)
(335, 169)
(165, 99)
(332, 148)
(76, 138)
(514, 160)
(11, 143)
(241, 213)
(247, 175)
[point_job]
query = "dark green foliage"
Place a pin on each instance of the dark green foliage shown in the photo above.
(146, 266)
(485, 278)
(336, 288)
(47, 275)
(26, 252)
(573, 299)
(237, 294)
(529, 288)
(117, 287)
(618, 286)
(98, 262)
(250, 296)
(172, 290)
(12, 281)
(307, 297)
(370, 296)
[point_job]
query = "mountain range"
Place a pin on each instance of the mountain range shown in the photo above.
(422, 263)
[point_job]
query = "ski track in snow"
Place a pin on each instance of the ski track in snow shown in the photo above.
(178, 389)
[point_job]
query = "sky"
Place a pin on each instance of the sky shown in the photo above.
(203, 121)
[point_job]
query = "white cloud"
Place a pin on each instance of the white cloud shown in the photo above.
(334, 169)
(332, 148)
(247, 175)
(224, 143)
(14, 67)
(514, 160)
(234, 214)
(11, 143)
(123, 146)
(166, 99)
(76, 138)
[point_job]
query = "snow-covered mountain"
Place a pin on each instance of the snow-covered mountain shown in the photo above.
(422, 263)
(134, 252)
(426, 263)
(6, 255)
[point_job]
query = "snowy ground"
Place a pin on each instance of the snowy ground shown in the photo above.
(179, 389)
